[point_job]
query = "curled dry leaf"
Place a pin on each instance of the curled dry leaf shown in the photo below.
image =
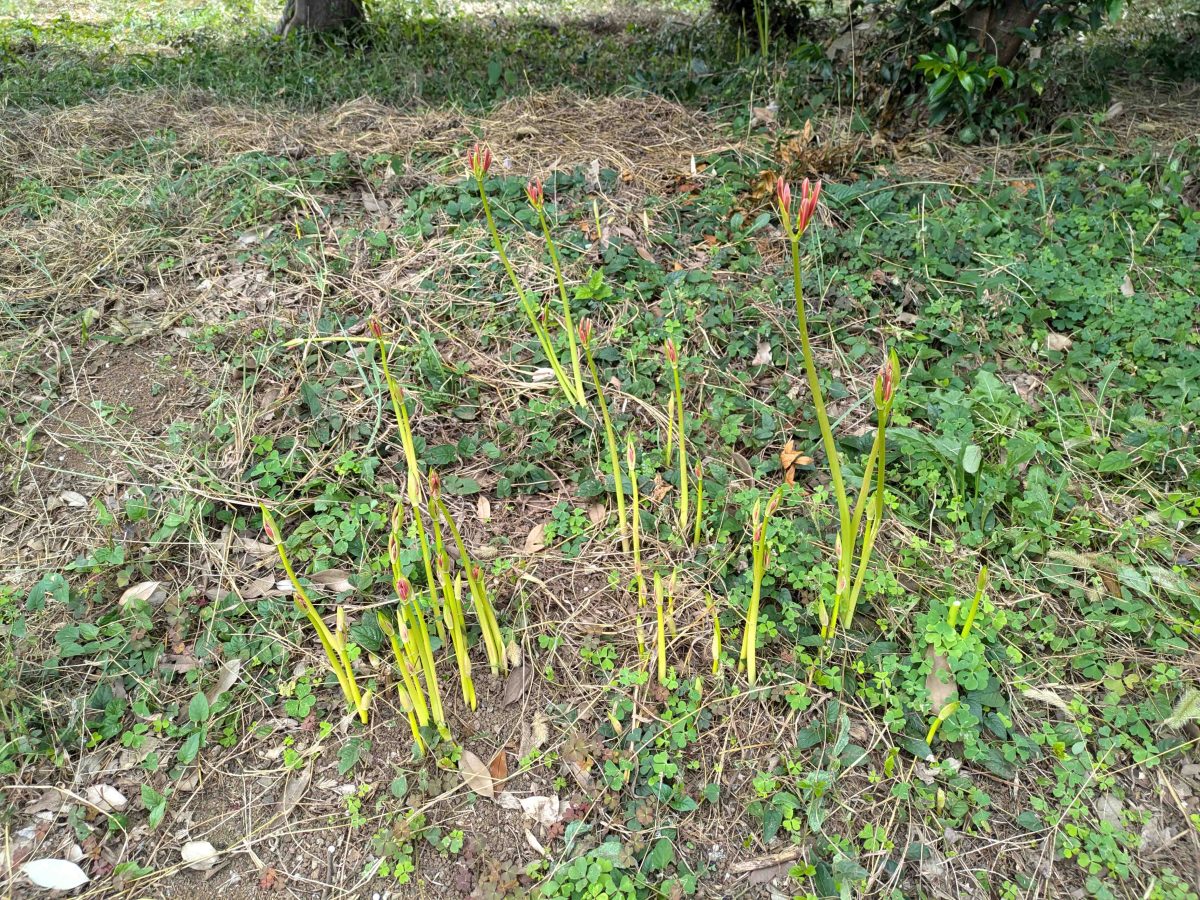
(498, 768)
(334, 579)
(259, 587)
(483, 508)
(54, 874)
(227, 676)
(475, 775)
(152, 592)
(517, 684)
(535, 541)
(73, 498)
(294, 790)
(1059, 343)
(106, 798)
(763, 356)
(940, 683)
(597, 513)
(256, 548)
(199, 855)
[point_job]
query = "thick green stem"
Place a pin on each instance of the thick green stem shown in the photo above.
(683, 472)
(566, 304)
(614, 456)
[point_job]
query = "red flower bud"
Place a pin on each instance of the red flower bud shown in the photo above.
(270, 531)
(435, 483)
(630, 456)
(783, 193)
(376, 328)
(672, 353)
(479, 160)
(535, 193)
(585, 332)
(403, 589)
(810, 195)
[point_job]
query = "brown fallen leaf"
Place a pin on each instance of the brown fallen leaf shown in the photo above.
(334, 579)
(152, 592)
(1059, 343)
(259, 587)
(940, 683)
(597, 513)
(535, 541)
(294, 790)
(1127, 287)
(483, 508)
(517, 684)
(227, 676)
(498, 768)
(661, 489)
(475, 775)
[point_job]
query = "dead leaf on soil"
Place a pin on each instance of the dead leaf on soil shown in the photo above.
(1059, 343)
(334, 579)
(259, 587)
(227, 676)
(535, 541)
(534, 735)
(763, 356)
(199, 855)
(256, 548)
(534, 843)
(741, 464)
(475, 774)
(597, 513)
(151, 591)
(74, 499)
(940, 682)
(1127, 287)
(498, 768)
(661, 489)
(106, 798)
(294, 790)
(517, 684)
(483, 508)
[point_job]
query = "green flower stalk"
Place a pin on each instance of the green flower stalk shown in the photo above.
(537, 199)
(760, 557)
(946, 712)
(980, 589)
(673, 358)
(333, 643)
(614, 456)
(479, 160)
(639, 580)
(716, 638)
(661, 633)
(850, 570)
(699, 503)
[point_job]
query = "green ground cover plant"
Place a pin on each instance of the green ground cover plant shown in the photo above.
(277, 364)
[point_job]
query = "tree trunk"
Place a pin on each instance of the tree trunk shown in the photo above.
(320, 15)
(993, 26)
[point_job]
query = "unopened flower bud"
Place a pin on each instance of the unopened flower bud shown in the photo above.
(479, 160)
(783, 193)
(585, 332)
(435, 483)
(535, 193)
(376, 328)
(670, 351)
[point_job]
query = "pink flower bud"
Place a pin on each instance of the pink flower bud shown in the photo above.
(630, 456)
(435, 483)
(670, 351)
(585, 332)
(783, 193)
(403, 589)
(270, 531)
(888, 380)
(535, 193)
(810, 196)
(402, 633)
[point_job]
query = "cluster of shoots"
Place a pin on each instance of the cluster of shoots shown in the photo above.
(760, 555)
(479, 162)
(335, 643)
(858, 525)
(407, 628)
(610, 436)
